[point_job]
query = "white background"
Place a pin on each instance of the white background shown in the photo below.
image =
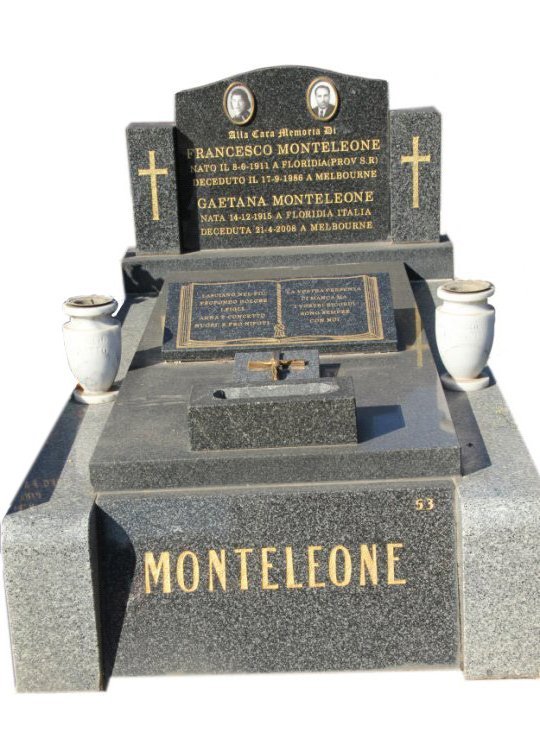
(73, 76)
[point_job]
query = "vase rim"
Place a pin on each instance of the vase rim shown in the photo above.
(89, 300)
(467, 286)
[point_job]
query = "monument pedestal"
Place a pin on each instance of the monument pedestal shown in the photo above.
(52, 569)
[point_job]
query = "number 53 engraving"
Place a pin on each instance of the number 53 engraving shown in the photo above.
(425, 503)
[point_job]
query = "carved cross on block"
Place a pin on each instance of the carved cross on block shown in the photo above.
(277, 366)
(414, 160)
(153, 172)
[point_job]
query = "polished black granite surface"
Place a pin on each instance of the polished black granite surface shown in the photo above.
(281, 175)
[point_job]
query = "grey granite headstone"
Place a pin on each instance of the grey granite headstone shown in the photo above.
(320, 412)
(415, 137)
(152, 166)
(307, 367)
(283, 173)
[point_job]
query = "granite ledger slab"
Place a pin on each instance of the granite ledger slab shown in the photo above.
(403, 423)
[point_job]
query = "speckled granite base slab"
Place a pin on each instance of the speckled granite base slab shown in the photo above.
(320, 412)
(268, 579)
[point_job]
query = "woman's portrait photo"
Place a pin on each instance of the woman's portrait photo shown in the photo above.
(238, 103)
(322, 99)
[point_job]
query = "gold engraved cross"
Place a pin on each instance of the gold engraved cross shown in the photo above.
(415, 159)
(276, 365)
(153, 173)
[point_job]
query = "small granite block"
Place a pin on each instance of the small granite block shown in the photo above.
(309, 371)
(415, 174)
(152, 165)
(322, 412)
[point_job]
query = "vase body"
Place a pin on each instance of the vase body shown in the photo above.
(92, 339)
(464, 328)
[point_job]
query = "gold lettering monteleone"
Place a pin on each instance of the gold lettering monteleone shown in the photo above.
(289, 570)
(217, 565)
(153, 173)
(392, 559)
(163, 568)
(266, 566)
(414, 160)
(332, 566)
(180, 575)
(368, 560)
(243, 552)
(326, 566)
(329, 147)
(323, 199)
(312, 567)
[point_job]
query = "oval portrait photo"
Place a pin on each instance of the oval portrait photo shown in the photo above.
(322, 99)
(238, 103)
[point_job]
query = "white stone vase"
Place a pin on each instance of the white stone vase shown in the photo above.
(464, 328)
(93, 343)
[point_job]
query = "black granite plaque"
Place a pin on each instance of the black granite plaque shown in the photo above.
(283, 156)
(214, 319)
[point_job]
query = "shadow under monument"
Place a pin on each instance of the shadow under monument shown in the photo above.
(40, 482)
(116, 571)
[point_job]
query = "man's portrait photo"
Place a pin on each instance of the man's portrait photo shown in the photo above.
(322, 99)
(238, 103)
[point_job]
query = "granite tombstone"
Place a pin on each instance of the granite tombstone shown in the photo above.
(287, 174)
(281, 483)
